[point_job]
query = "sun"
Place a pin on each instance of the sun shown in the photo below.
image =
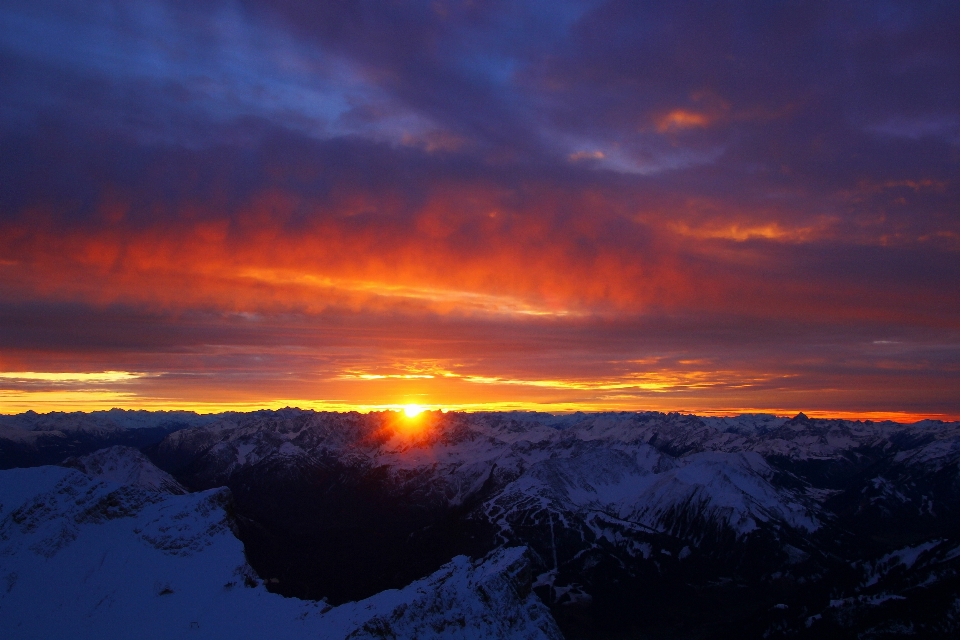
(412, 410)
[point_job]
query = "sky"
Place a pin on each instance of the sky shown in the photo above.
(716, 207)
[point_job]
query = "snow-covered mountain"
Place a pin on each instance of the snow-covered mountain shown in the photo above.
(96, 422)
(31, 439)
(633, 524)
(126, 466)
(626, 514)
(636, 467)
(87, 558)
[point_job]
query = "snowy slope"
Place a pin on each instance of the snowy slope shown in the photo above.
(23, 436)
(126, 466)
(84, 558)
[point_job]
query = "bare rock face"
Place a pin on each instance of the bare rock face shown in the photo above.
(82, 557)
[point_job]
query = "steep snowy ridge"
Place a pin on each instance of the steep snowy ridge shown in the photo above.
(489, 599)
(85, 558)
(935, 447)
(645, 487)
(126, 466)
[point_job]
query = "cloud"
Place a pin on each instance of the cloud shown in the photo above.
(68, 378)
(681, 119)
(254, 199)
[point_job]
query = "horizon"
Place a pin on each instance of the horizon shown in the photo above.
(412, 411)
(587, 205)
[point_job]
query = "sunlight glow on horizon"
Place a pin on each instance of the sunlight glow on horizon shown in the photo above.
(437, 385)
(413, 410)
(13, 402)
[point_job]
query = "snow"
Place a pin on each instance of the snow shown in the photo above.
(748, 424)
(644, 470)
(114, 557)
(905, 557)
(88, 558)
(638, 467)
(101, 421)
(19, 435)
(126, 465)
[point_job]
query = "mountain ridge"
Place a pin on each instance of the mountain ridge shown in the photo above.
(775, 527)
(86, 558)
(670, 500)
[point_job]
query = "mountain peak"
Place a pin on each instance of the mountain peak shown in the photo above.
(127, 466)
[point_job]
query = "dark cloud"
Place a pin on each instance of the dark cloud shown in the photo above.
(509, 191)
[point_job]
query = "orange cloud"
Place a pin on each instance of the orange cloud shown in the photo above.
(586, 155)
(464, 251)
(470, 297)
(743, 231)
(451, 255)
(680, 119)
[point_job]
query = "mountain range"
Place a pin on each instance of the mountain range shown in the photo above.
(606, 525)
